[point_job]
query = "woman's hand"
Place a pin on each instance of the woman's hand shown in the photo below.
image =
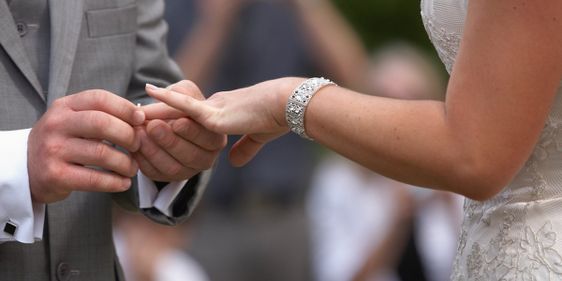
(256, 112)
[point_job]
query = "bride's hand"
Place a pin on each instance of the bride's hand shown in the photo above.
(256, 112)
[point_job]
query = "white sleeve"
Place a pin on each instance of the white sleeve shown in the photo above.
(162, 200)
(20, 219)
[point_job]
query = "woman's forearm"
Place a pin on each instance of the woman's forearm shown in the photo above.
(410, 141)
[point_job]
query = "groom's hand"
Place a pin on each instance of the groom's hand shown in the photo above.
(175, 148)
(72, 136)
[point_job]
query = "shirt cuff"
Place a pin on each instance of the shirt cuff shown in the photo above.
(150, 197)
(20, 219)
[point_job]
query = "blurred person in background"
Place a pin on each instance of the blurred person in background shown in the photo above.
(252, 225)
(151, 252)
(369, 227)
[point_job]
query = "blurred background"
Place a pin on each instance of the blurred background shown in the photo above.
(298, 212)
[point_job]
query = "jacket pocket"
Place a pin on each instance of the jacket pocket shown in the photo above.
(110, 22)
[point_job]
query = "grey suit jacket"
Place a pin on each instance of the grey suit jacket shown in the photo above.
(116, 45)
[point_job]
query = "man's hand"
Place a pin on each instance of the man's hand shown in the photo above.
(175, 148)
(72, 136)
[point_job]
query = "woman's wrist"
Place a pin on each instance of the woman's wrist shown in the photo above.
(283, 90)
(297, 103)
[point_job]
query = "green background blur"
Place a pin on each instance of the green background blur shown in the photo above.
(382, 20)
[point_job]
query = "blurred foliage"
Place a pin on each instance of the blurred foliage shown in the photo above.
(381, 21)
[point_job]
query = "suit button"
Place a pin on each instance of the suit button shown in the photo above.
(22, 28)
(65, 273)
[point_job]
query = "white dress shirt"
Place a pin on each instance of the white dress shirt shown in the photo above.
(18, 210)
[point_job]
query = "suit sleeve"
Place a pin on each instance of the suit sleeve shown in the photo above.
(171, 205)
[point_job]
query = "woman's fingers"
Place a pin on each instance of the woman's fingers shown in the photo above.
(194, 108)
(248, 146)
(162, 111)
(244, 150)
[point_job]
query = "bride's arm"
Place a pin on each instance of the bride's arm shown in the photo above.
(501, 89)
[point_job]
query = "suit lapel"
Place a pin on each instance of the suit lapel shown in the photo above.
(66, 23)
(11, 42)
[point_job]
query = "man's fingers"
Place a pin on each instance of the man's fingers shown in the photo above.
(197, 134)
(159, 158)
(98, 154)
(81, 178)
(100, 100)
(182, 150)
(102, 126)
(244, 150)
(147, 168)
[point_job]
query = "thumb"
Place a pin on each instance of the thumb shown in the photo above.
(244, 150)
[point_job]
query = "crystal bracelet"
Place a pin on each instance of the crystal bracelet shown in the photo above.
(298, 101)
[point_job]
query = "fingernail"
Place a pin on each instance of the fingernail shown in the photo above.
(126, 184)
(151, 87)
(139, 117)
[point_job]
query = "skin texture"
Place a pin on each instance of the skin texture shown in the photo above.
(503, 84)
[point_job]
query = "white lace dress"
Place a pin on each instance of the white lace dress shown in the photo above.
(515, 235)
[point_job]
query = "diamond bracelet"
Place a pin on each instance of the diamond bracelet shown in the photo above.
(298, 101)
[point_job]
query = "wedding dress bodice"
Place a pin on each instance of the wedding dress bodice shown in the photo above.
(517, 234)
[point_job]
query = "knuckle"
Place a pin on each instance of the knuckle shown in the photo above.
(53, 148)
(101, 151)
(60, 102)
(170, 141)
(150, 151)
(52, 122)
(53, 173)
(98, 97)
(215, 125)
(188, 87)
(189, 129)
(98, 121)
(94, 179)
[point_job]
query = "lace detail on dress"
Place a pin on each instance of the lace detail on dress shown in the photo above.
(522, 258)
(512, 236)
(446, 43)
(521, 254)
